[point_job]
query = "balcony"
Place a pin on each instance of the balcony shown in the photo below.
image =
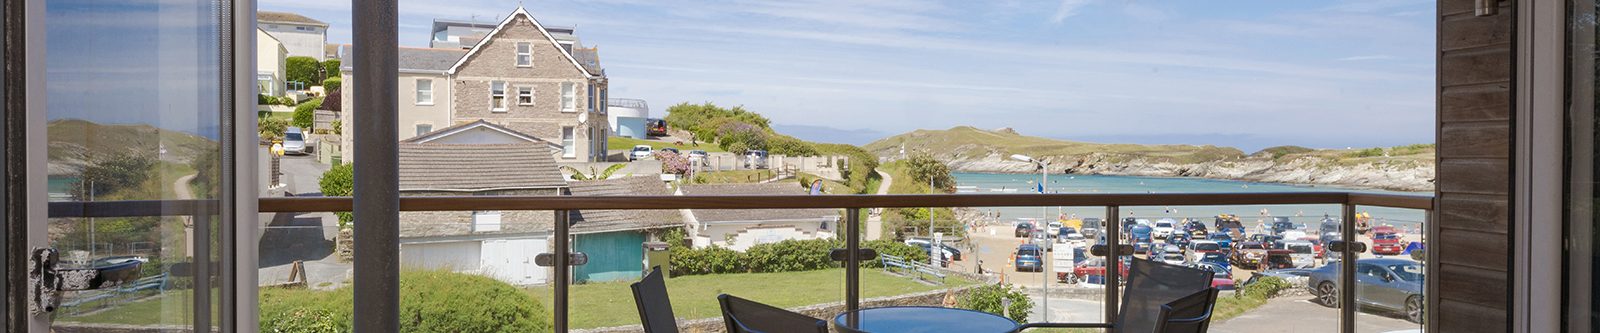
(572, 305)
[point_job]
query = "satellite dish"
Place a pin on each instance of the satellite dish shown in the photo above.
(583, 118)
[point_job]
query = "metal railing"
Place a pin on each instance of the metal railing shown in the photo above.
(562, 205)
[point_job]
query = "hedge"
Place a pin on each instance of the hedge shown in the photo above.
(989, 298)
(305, 113)
(430, 301)
(331, 84)
(785, 256)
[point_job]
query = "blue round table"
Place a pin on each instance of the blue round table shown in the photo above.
(914, 319)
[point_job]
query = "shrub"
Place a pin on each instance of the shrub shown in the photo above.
(790, 146)
(735, 132)
(303, 69)
(338, 127)
(672, 163)
(710, 260)
(923, 167)
(271, 129)
(286, 101)
(263, 99)
(430, 301)
(737, 148)
(1369, 152)
(988, 299)
(305, 114)
(893, 248)
(339, 181)
(112, 174)
(791, 255)
(331, 84)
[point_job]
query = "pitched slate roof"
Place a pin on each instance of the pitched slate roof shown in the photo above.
(755, 215)
(477, 167)
(589, 57)
(411, 59)
(512, 18)
(593, 221)
(286, 17)
(457, 128)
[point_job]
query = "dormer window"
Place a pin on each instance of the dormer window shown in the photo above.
(524, 54)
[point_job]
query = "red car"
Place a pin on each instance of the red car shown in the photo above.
(1221, 277)
(1097, 267)
(1387, 244)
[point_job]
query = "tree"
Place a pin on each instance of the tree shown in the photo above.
(733, 132)
(578, 175)
(305, 114)
(112, 174)
(923, 167)
(339, 181)
(207, 173)
(302, 69)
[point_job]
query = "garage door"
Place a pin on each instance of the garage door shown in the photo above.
(455, 256)
(511, 260)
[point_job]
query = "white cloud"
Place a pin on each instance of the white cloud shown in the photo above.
(1067, 9)
(1367, 57)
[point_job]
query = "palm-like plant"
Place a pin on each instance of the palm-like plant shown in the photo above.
(579, 175)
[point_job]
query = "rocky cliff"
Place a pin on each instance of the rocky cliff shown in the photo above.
(966, 149)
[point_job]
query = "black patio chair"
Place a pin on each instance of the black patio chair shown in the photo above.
(1151, 285)
(655, 310)
(1190, 314)
(746, 316)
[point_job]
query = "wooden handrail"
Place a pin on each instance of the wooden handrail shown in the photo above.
(468, 203)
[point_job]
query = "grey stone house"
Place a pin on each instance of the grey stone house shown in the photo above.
(519, 75)
(491, 243)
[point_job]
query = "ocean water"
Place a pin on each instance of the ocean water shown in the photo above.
(985, 183)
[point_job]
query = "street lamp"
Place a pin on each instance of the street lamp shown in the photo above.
(1044, 177)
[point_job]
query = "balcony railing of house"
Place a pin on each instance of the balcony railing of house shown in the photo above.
(851, 227)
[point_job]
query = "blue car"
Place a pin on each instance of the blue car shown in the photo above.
(1030, 258)
(1222, 239)
(1215, 258)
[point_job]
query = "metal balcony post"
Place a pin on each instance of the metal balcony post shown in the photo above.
(852, 270)
(1113, 231)
(201, 269)
(376, 202)
(1347, 271)
(563, 270)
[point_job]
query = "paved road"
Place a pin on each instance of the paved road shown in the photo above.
(306, 237)
(1300, 314)
(875, 221)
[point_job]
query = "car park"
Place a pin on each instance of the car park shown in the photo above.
(1249, 255)
(640, 152)
(1381, 283)
(1301, 253)
(1215, 258)
(1029, 257)
(1194, 228)
(1053, 229)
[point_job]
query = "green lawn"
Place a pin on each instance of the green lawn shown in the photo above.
(735, 176)
(146, 308)
(625, 143)
(277, 115)
(694, 297)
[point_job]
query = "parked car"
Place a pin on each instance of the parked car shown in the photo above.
(755, 159)
(1221, 276)
(1281, 224)
(1302, 253)
(1089, 232)
(1276, 259)
(1249, 255)
(1381, 283)
(1138, 232)
(1194, 228)
(1215, 258)
(1074, 240)
(1029, 257)
(1052, 229)
(949, 251)
(1064, 231)
(1094, 222)
(672, 150)
(1387, 244)
(1263, 238)
(1097, 267)
(1222, 239)
(1065, 263)
(697, 157)
(294, 142)
(1164, 228)
(1024, 229)
(640, 152)
(1181, 240)
(1201, 247)
(944, 257)
(1175, 258)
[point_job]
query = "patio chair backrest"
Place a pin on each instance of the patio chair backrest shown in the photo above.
(1190, 314)
(746, 316)
(1152, 284)
(655, 310)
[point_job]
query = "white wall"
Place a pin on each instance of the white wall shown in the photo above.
(745, 236)
(270, 55)
(299, 43)
(457, 256)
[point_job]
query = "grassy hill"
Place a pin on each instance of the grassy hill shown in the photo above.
(968, 142)
(74, 142)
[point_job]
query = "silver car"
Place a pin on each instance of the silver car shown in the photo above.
(1381, 283)
(755, 159)
(294, 142)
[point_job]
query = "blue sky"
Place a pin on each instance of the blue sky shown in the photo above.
(1248, 74)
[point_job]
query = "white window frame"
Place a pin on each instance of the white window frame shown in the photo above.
(524, 52)
(569, 142)
(569, 97)
(420, 92)
(421, 132)
(525, 91)
(500, 96)
(591, 97)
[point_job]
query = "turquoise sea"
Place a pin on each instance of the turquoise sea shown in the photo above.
(985, 183)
